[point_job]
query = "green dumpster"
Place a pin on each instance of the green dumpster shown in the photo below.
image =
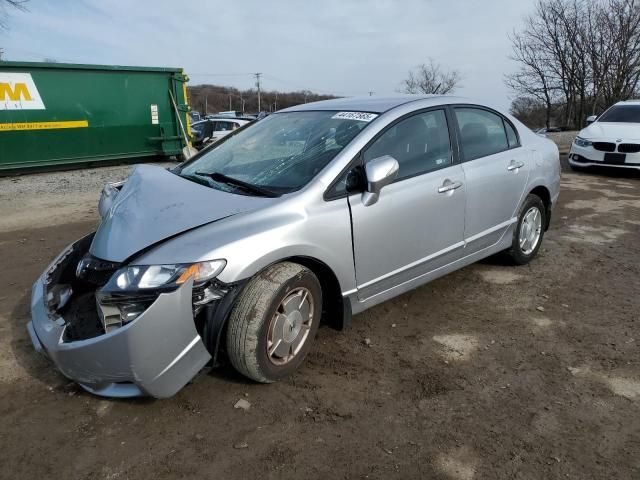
(55, 114)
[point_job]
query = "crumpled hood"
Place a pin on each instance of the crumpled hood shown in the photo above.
(612, 132)
(155, 204)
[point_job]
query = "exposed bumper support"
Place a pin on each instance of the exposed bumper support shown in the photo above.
(156, 354)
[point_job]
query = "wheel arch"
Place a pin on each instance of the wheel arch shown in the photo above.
(543, 193)
(336, 310)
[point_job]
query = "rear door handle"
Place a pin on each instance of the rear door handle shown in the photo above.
(515, 165)
(448, 186)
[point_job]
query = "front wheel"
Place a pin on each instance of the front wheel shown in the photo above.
(273, 324)
(529, 231)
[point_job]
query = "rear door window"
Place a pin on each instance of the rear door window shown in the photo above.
(482, 132)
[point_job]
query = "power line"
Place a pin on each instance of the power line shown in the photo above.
(220, 74)
(307, 87)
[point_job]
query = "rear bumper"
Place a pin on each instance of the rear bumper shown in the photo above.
(156, 354)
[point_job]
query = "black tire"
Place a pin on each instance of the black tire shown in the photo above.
(516, 253)
(253, 313)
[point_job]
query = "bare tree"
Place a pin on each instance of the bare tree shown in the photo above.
(535, 79)
(5, 4)
(431, 78)
(530, 111)
(578, 56)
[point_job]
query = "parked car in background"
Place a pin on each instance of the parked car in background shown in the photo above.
(213, 129)
(315, 213)
(612, 139)
(545, 130)
(194, 116)
(247, 118)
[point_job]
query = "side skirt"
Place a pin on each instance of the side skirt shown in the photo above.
(358, 306)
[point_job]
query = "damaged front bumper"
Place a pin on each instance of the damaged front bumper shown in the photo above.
(156, 354)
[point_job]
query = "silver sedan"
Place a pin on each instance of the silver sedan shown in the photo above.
(311, 215)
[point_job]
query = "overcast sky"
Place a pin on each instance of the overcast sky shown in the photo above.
(343, 47)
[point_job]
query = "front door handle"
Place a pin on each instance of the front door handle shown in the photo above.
(515, 165)
(449, 186)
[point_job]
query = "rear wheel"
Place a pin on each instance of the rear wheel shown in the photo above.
(274, 321)
(529, 230)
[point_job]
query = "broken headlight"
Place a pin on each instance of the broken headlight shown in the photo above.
(144, 277)
(132, 289)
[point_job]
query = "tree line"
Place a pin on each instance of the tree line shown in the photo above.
(576, 58)
(208, 99)
(427, 78)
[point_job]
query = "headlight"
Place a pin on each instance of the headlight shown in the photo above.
(143, 277)
(582, 142)
(131, 290)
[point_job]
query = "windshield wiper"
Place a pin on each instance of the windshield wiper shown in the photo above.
(193, 178)
(222, 178)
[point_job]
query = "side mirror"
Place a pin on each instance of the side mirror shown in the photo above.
(591, 119)
(380, 172)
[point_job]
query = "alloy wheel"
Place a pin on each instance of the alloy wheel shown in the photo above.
(290, 326)
(530, 230)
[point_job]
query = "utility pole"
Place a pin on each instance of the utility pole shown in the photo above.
(257, 75)
(275, 107)
(371, 92)
(230, 103)
(206, 105)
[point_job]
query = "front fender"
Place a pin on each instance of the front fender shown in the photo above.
(250, 242)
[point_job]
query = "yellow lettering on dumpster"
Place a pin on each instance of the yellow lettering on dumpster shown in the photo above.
(15, 94)
(9, 127)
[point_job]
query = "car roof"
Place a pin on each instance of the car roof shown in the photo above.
(223, 118)
(371, 104)
(629, 102)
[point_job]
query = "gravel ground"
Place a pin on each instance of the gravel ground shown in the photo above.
(491, 372)
(563, 140)
(47, 198)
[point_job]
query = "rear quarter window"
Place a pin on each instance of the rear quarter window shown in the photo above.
(512, 135)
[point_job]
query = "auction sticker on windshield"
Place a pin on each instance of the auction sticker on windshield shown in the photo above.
(359, 116)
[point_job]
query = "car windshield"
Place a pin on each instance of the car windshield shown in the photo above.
(279, 154)
(622, 114)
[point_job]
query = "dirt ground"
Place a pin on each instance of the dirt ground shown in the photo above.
(491, 372)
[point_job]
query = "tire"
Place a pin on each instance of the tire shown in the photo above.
(520, 253)
(259, 322)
